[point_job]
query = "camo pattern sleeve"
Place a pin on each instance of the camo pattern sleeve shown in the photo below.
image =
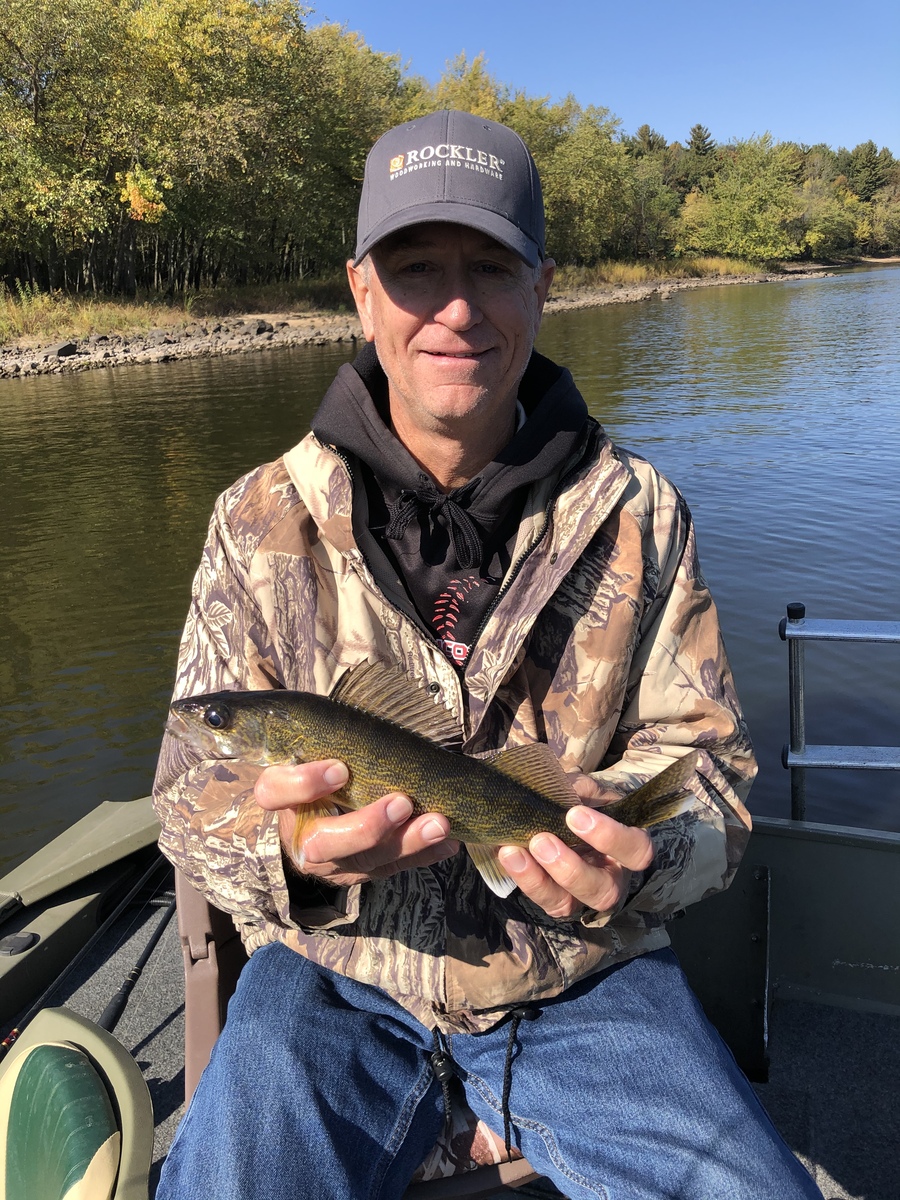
(212, 829)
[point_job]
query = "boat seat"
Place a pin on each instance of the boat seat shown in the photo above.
(76, 1122)
(469, 1161)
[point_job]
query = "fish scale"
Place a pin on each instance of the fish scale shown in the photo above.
(483, 805)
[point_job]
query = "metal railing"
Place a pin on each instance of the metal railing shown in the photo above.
(796, 629)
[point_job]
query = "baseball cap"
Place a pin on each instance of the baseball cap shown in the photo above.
(453, 166)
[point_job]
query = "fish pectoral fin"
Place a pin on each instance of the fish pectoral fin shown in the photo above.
(659, 798)
(488, 867)
(388, 692)
(537, 767)
(306, 814)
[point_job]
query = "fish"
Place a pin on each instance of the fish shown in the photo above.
(396, 737)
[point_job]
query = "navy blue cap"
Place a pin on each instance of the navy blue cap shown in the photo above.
(453, 166)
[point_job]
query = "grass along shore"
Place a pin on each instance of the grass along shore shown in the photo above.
(43, 333)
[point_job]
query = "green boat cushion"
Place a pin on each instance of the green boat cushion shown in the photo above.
(62, 1139)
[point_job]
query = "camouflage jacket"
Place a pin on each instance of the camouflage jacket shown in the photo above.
(603, 642)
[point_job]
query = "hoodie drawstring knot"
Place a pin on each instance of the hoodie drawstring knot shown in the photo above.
(464, 533)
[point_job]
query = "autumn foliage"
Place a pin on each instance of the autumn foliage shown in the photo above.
(166, 146)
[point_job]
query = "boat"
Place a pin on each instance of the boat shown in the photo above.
(797, 964)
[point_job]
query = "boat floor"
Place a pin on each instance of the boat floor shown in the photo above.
(833, 1090)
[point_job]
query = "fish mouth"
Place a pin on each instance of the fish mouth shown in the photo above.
(180, 729)
(185, 727)
(190, 734)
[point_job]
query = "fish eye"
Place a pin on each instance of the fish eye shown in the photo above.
(217, 716)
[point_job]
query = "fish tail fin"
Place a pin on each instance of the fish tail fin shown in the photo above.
(488, 867)
(659, 798)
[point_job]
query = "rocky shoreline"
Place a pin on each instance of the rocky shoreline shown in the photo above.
(247, 334)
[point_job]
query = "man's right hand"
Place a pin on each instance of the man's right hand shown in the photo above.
(374, 842)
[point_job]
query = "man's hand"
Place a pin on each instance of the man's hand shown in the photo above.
(373, 843)
(562, 881)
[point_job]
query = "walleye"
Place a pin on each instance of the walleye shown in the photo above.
(394, 736)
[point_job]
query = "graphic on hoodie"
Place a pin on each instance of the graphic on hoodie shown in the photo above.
(447, 611)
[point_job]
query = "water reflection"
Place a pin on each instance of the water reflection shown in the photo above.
(774, 408)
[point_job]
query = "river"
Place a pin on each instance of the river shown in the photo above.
(774, 407)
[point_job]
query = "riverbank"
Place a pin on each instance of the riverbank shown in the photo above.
(254, 332)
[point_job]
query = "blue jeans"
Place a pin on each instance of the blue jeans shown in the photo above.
(321, 1088)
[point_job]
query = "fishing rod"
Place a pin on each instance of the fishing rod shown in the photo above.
(89, 945)
(109, 1018)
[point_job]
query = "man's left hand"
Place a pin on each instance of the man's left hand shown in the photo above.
(563, 881)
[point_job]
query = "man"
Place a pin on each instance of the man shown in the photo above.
(458, 515)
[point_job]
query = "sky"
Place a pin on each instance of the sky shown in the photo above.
(804, 71)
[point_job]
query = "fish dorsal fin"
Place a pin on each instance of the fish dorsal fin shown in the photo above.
(536, 766)
(488, 867)
(387, 692)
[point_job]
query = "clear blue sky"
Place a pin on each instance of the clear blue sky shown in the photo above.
(823, 71)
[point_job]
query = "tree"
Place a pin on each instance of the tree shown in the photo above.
(750, 206)
(820, 163)
(177, 144)
(584, 183)
(866, 170)
(359, 94)
(886, 220)
(645, 141)
(700, 142)
(470, 87)
(890, 168)
(648, 219)
(691, 168)
(830, 219)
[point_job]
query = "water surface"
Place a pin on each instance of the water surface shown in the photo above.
(774, 407)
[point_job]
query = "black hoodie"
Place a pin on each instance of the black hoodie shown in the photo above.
(441, 557)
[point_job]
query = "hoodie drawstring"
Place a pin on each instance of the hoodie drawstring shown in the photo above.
(464, 533)
(444, 1069)
(526, 1012)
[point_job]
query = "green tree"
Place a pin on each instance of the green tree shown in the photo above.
(648, 220)
(820, 163)
(830, 219)
(584, 184)
(700, 142)
(645, 141)
(175, 144)
(691, 168)
(470, 87)
(59, 77)
(866, 170)
(360, 94)
(886, 220)
(751, 207)
(890, 168)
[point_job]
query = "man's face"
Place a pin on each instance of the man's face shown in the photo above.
(453, 315)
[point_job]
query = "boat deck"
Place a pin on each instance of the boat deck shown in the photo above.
(834, 1088)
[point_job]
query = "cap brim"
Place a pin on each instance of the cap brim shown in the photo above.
(455, 213)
